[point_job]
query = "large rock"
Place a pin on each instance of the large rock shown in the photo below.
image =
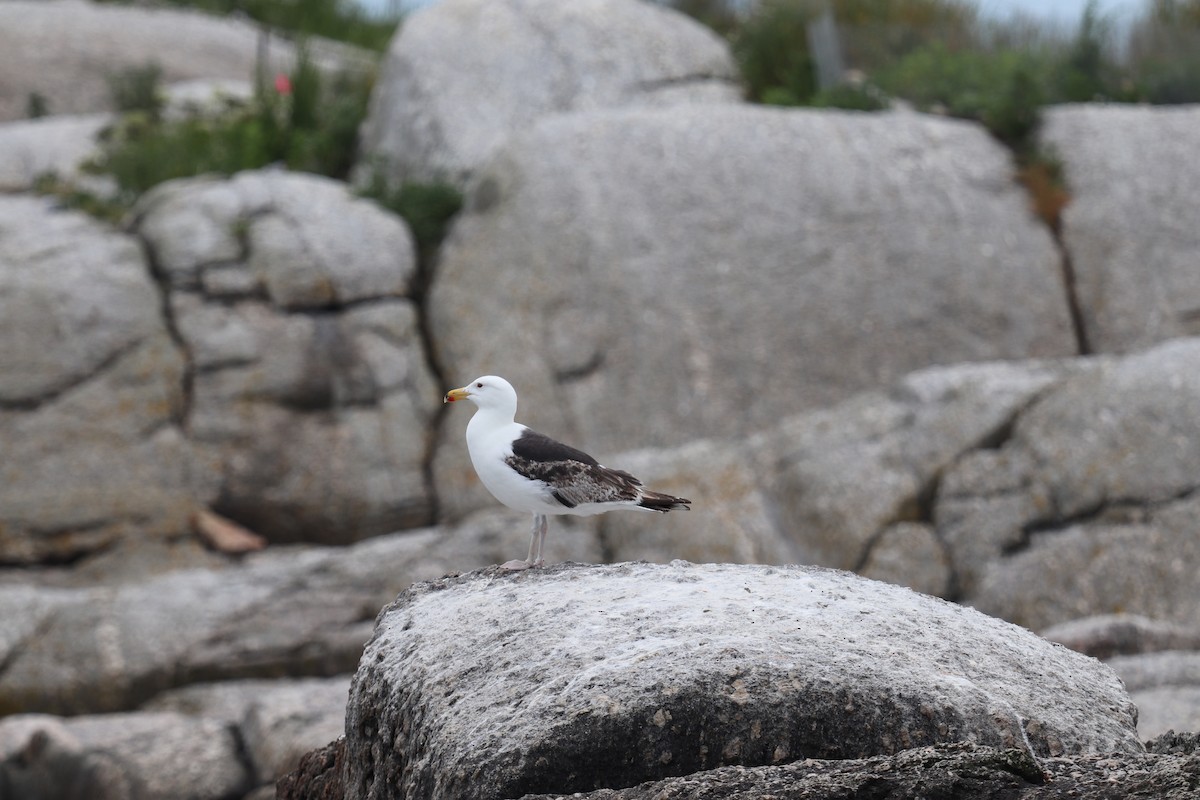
(284, 611)
(65, 50)
(1130, 228)
(801, 241)
(463, 75)
(731, 520)
(279, 720)
(851, 486)
(575, 678)
(965, 771)
(949, 772)
(841, 477)
(137, 756)
(55, 146)
(311, 396)
(1089, 507)
(1111, 635)
(91, 390)
(1166, 688)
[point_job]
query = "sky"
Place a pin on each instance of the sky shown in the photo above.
(1068, 11)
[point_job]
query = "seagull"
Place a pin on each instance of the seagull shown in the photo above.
(529, 471)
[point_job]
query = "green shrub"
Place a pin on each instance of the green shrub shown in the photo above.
(36, 105)
(137, 89)
(1164, 53)
(854, 96)
(307, 122)
(426, 207)
(771, 49)
(1000, 89)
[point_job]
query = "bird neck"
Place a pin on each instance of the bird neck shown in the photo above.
(494, 417)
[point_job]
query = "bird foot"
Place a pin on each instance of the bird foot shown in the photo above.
(516, 565)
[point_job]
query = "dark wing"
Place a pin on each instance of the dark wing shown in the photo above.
(572, 476)
(537, 447)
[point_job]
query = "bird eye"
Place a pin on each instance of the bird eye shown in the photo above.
(479, 385)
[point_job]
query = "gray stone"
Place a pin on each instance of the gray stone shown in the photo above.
(306, 239)
(909, 554)
(730, 520)
(311, 397)
(463, 75)
(136, 756)
(763, 299)
(1167, 708)
(66, 49)
(1111, 635)
(1165, 686)
(949, 771)
(91, 390)
(1084, 509)
(841, 476)
(1131, 225)
(75, 296)
(1153, 670)
(50, 145)
(290, 721)
(319, 776)
(282, 611)
(280, 720)
(1139, 565)
(575, 678)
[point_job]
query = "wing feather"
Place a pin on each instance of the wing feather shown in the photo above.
(572, 476)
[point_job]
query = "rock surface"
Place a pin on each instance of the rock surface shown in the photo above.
(945, 772)
(311, 399)
(284, 611)
(462, 76)
(90, 390)
(1166, 688)
(576, 678)
(1131, 225)
(51, 145)
(278, 720)
(65, 50)
(840, 477)
(135, 756)
(1089, 507)
(1111, 635)
(319, 776)
(732, 522)
(768, 294)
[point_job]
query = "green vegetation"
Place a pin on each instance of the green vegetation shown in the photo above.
(137, 89)
(943, 56)
(426, 207)
(305, 121)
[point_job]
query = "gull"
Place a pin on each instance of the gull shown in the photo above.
(528, 471)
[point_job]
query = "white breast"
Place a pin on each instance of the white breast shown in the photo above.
(489, 446)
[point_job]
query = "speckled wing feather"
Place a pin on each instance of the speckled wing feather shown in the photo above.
(575, 478)
(572, 476)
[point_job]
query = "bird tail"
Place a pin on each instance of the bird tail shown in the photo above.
(662, 503)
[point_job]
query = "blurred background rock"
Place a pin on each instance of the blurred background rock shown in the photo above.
(905, 288)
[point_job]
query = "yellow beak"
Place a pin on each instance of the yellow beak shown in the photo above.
(455, 394)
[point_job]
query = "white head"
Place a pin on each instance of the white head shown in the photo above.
(489, 393)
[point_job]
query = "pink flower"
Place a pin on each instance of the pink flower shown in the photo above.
(283, 84)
